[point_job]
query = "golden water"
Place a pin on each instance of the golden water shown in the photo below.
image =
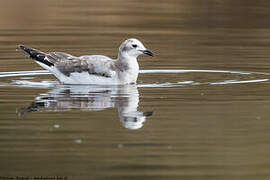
(199, 125)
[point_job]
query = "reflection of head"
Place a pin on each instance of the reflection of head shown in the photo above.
(134, 120)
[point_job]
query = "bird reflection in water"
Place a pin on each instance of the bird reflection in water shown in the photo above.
(93, 98)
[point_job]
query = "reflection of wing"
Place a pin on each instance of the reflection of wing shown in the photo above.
(93, 98)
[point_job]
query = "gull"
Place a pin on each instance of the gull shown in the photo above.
(93, 69)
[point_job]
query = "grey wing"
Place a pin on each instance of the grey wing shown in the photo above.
(95, 58)
(56, 57)
(95, 65)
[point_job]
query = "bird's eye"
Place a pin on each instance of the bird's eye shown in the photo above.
(134, 45)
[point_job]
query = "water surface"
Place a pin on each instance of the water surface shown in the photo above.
(200, 109)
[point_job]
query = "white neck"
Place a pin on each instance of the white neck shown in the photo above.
(129, 68)
(124, 55)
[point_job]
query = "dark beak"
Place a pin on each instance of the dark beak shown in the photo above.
(148, 52)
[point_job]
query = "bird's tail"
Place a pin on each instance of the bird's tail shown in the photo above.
(37, 55)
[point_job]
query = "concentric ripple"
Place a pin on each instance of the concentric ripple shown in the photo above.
(246, 77)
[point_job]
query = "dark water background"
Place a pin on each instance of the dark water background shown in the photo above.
(211, 125)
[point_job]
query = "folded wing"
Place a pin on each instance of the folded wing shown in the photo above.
(67, 64)
(94, 65)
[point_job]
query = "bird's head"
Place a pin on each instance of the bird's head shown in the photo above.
(132, 48)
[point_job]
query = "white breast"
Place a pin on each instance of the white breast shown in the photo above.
(130, 75)
(86, 78)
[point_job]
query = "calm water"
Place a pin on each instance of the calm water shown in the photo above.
(200, 109)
